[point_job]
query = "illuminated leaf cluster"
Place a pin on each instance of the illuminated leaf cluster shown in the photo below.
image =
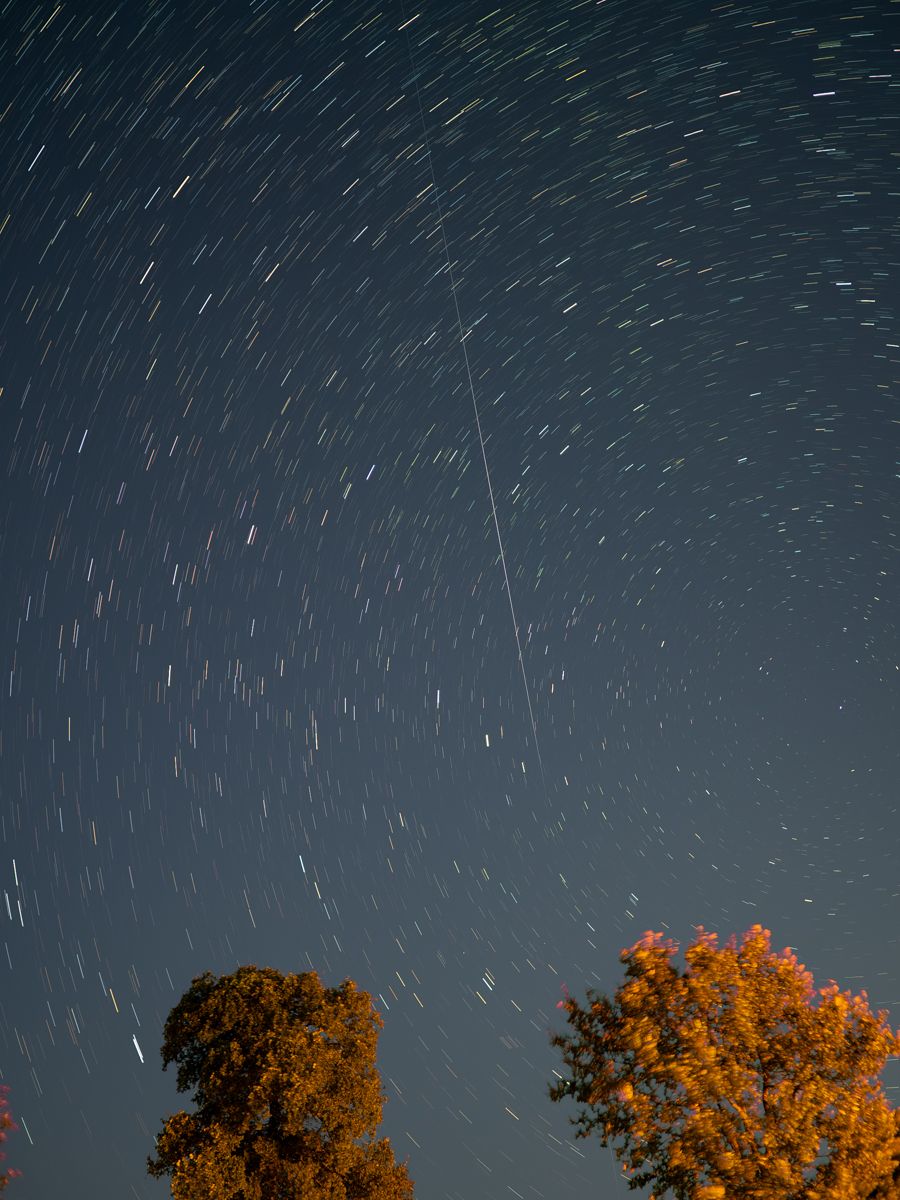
(889, 1188)
(732, 1077)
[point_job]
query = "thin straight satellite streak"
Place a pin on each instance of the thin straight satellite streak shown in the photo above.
(462, 342)
(484, 457)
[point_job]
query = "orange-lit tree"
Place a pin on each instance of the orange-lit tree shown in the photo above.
(6, 1124)
(288, 1098)
(732, 1077)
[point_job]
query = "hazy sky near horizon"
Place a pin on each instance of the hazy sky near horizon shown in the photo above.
(261, 700)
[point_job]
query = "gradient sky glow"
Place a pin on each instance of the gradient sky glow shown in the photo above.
(260, 698)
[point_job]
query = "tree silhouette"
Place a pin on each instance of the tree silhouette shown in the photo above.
(287, 1094)
(733, 1077)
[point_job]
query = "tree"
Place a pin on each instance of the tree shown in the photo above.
(732, 1077)
(6, 1124)
(287, 1094)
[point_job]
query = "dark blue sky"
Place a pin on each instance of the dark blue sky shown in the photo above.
(261, 699)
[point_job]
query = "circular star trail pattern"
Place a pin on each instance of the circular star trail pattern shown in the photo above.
(261, 698)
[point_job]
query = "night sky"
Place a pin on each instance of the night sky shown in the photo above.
(261, 700)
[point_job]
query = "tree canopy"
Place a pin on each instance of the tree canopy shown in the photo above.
(286, 1091)
(732, 1077)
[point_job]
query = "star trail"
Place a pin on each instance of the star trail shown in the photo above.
(262, 266)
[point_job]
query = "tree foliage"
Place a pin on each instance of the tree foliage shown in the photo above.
(288, 1098)
(889, 1188)
(7, 1124)
(732, 1077)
